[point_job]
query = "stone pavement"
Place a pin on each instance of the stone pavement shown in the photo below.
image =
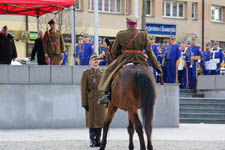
(187, 137)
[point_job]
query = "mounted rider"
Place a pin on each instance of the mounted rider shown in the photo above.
(127, 48)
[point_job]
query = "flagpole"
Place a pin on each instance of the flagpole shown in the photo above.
(96, 25)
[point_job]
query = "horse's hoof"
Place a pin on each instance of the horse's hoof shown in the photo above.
(131, 147)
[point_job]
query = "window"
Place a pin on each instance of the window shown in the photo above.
(194, 9)
(173, 9)
(217, 13)
(78, 4)
(149, 8)
(111, 6)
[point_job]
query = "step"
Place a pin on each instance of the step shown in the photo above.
(201, 110)
(188, 95)
(188, 100)
(203, 115)
(205, 105)
(188, 91)
(200, 120)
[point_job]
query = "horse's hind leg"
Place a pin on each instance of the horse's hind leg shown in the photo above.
(130, 130)
(149, 135)
(139, 130)
(110, 114)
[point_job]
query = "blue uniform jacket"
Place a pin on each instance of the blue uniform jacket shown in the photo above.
(85, 54)
(193, 51)
(173, 53)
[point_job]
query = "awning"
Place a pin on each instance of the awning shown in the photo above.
(33, 7)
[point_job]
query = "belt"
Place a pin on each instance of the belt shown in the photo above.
(130, 51)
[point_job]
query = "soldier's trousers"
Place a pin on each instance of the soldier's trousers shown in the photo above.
(55, 59)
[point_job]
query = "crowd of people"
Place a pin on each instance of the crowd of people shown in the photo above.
(180, 63)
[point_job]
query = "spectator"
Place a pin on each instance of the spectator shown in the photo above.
(38, 48)
(53, 44)
(7, 47)
(95, 113)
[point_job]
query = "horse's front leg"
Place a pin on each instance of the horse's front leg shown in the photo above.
(110, 114)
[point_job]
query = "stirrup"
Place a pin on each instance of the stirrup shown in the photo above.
(105, 99)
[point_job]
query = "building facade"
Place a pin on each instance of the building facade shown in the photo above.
(183, 18)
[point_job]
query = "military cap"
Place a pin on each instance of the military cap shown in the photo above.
(152, 37)
(94, 57)
(194, 37)
(172, 37)
(5, 27)
(80, 38)
(165, 40)
(86, 35)
(51, 22)
(184, 41)
(132, 20)
(188, 41)
(216, 42)
(207, 43)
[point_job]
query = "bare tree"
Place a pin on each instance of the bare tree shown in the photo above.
(63, 21)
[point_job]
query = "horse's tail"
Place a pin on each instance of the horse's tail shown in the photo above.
(146, 92)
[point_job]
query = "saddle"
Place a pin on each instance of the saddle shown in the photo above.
(116, 75)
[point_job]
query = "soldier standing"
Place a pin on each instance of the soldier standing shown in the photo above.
(95, 113)
(53, 44)
(127, 48)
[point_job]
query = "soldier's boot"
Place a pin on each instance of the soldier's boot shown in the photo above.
(92, 137)
(106, 98)
(98, 136)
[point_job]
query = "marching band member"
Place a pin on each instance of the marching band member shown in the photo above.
(217, 56)
(155, 50)
(193, 54)
(160, 57)
(206, 58)
(79, 50)
(87, 50)
(163, 66)
(182, 74)
(102, 52)
(172, 60)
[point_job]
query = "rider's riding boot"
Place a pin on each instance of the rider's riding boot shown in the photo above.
(105, 99)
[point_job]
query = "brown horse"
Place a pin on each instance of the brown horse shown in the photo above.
(134, 88)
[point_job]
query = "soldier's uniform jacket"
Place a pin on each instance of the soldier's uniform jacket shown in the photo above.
(122, 39)
(90, 95)
(53, 45)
